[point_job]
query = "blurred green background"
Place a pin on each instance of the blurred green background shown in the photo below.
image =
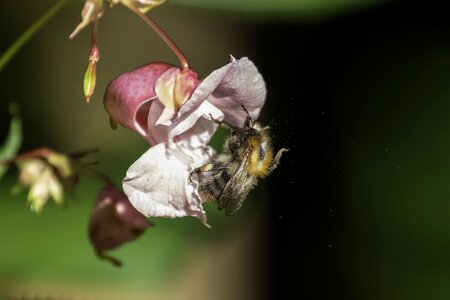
(359, 208)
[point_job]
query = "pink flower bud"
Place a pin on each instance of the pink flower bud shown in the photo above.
(114, 221)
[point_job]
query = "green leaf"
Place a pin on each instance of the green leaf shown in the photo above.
(13, 139)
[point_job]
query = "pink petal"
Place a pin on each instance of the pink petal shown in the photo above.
(128, 97)
(158, 184)
(228, 88)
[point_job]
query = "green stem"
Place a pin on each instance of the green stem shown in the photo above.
(29, 33)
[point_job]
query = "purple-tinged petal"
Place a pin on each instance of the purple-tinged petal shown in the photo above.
(228, 88)
(242, 85)
(158, 184)
(128, 97)
(205, 88)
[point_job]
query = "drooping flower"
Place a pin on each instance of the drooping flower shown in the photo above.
(41, 180)
(178, 115)
(114, 222)
(93, 9)
(44, 178)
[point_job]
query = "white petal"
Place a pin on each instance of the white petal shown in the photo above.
(166, 116)
(158, 184)
(55, 188)
(196, 128)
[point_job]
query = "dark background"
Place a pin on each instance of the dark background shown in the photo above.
(347, 94)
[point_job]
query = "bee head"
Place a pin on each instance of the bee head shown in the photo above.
(239, 137)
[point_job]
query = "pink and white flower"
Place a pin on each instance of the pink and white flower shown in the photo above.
(175, 112)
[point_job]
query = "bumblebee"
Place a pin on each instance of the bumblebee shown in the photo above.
(247, 156)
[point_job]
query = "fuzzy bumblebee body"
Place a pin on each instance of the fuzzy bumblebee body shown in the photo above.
(247, 156)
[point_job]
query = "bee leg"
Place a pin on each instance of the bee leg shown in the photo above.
(276, 160)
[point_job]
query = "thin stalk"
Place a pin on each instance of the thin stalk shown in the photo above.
(28, 34)
(164, 36)
(99, 176)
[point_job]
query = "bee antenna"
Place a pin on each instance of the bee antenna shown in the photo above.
(249, 119)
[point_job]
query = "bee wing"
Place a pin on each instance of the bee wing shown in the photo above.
(237, 188)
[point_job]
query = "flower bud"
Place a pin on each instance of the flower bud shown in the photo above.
(90, 77)
(114, 222)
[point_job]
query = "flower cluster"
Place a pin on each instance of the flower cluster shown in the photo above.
(45, 173)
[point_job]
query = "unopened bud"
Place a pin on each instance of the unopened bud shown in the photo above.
(113, 222)
(90, 76)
